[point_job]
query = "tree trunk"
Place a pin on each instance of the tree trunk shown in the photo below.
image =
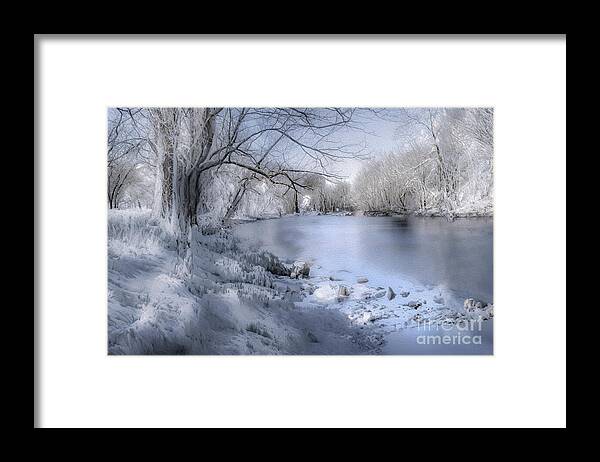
(166, 167)
(237, 200)
(194, 198)
(165, 137)
(296, 208)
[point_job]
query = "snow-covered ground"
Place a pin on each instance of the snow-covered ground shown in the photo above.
(232, 304)
(242, 301)
(413, 321)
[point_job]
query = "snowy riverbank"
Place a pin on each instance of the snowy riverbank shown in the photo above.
(465, 212)
(409, 309)
(232, 304)
(371, 269)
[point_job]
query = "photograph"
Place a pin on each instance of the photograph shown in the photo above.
(300, 231)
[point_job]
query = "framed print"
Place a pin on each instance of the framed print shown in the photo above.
(299, 231)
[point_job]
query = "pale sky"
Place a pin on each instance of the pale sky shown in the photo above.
(378, 136)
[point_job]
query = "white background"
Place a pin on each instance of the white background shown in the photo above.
(523, 384)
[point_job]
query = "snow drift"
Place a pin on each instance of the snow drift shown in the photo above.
(235, 301)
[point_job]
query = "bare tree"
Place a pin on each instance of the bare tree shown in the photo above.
(192, 141)
(123, 149)
(445, 164)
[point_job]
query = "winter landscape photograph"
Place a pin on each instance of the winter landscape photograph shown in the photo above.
(256, 231)
(300, 231)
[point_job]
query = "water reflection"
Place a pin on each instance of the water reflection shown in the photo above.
(457, 255)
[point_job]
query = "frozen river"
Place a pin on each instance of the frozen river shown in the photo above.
(423, 255)
(456, 255)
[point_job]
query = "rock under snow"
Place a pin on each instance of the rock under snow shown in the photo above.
(390, 294)
(369, 294)
(472, 304)
(366, 317)
(485, 312)
(343, 291)
(300, 269)
(325, 293)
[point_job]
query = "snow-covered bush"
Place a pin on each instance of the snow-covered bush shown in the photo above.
(131, 232)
